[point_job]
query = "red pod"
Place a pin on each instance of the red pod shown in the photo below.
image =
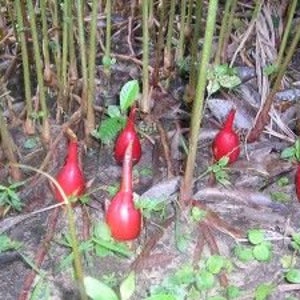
(70, 177)
(127, 135)
(227, 142)
(297, 182)
(123, 219)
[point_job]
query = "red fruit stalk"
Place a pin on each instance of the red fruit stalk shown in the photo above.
(128, 135)
(70, 177)
(123, 219)
(227, 142)
(297, 182)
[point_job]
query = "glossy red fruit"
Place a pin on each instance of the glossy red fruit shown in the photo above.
(297, 182)
(123, 219)
(227, 142)
(127, 135)
(70, 177)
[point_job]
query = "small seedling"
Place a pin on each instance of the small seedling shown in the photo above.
(260, 249)
(221, 76)
(292, 153)
(98, 290)
(115, 115)
(219, 169)
(6, 244)
(263, 291)
(151, 206)
(9, 197)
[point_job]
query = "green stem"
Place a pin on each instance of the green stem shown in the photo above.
(72, 229)
(80, 7)
(145, 104)
(225, 28)
(65, 48)
(39, 68)
(287, 29)
(180, 51)
(45, 40)
(194, 54)
(91, 69)
(168, 48)
(107, 54)
(25, 63)
(197, 111)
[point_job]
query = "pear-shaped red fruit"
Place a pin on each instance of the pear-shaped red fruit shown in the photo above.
(227, 142)
(123, 219)
(127, 135)
(70, 177)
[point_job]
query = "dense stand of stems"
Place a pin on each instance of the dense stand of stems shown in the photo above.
(25, 63)
(39, 72)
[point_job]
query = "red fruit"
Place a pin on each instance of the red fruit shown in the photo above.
(128, 135)
(297, 182)
(123, 219)
(227, 142)
(70, 177)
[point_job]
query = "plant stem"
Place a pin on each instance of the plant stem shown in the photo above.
(27, 82)
(72, 230)
(39, 68)
(180, 51)
(264, 116)
(107, 55)
(80, 7)
(45, 42)
(168, 50)
(62, 102)
(90, 120)
(287, 30)
(225, 29)
(197, 112)
(190, 91)
(145, 103)
(9, 148)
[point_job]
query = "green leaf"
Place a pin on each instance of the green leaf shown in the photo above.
(262, 252)
(97, 290)
(198, 214)
(41, 291)
(7, 244)
(205, 280)
(113, 111)
(297, 149)
(31, 143)
(233, 292)
(288, 153)
(270, 69)
(293, 276)
(213, 86)
(102, 231)
(117, 248)
(283, 181)
(296, 238)
(287, 261)
(223, 161)
(280, 197)
(215, 263)
(229, 81)
(129, 93)
(127, 286)
(263, 291)
(255, 236)
(243, 253)
(109, 128)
